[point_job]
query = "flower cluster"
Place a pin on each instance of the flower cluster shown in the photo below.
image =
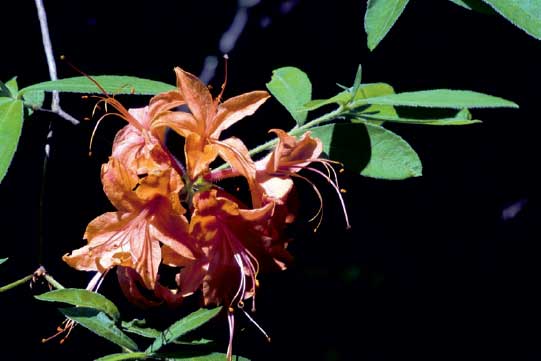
(176, 215)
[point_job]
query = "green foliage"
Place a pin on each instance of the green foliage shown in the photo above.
(362, 144)
(525, 14)
(380, 16)
(2, 260)
(82, 298)
(113, 84)
(292, 88)
(370, 149)
(11, 123)
(139, 327)
(183, 326)
(439, 98)
(99, 323)
(124, 356)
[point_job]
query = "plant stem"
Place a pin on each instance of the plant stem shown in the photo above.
(53, 282)
(16, 283)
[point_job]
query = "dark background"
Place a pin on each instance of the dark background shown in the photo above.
(430, 268)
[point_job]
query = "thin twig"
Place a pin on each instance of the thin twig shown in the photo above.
(51, 64)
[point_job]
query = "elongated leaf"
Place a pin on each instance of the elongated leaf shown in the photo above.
(462, 118)
(113, 84)
(11, 123)
(99, 323)
(369, 149)
(525, 14)
(214, 356)
(2, 260)
(380, 16)
(292, 88)
(183, 326)
(83, 298)
(124, 356)
(440, 98)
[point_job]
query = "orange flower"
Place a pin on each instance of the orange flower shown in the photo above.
(149, 213)
(232, 245)
(203, 126)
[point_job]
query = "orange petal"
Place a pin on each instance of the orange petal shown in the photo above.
(234, 109)
(197, 97)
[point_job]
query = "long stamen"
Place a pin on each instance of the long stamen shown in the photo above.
(256, 325)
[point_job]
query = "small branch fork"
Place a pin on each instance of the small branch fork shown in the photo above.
(51, 64)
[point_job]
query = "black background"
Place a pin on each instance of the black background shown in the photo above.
(429, 269)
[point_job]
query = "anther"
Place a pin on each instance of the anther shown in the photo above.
(230, 310)
(343, 190)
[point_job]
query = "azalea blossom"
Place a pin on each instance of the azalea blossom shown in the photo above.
(202, 127)
(149, 213)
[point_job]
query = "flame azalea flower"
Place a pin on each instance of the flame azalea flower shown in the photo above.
(275, 171)
(203, 126)
(149, 213)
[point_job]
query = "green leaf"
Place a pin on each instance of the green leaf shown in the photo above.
(124, 356)
(99, 323)
(138, 327)
(12, 87)
(214, 356)
(4, 100)
(292, 88)
(11, 123)
(440, 98)
(525, 14)
(34, 99)
(369, 149)
(83, 298)
(368, 90)
(2, 260)
(477, 5)
(183, 326)
(380, 16)
(463, 117)
(113, 84)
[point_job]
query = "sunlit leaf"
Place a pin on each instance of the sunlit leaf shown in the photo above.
(369, 149)
(525, 14)
(113, 84)
(84, 298)
(12, 87)
(380, 16)
(183, 326)
(440, 98)
(462, 118)
(2, 260)
(124, 356)
(99, 323)
(292, 88)
(11, 123)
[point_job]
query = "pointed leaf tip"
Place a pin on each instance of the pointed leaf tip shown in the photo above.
(379, 18)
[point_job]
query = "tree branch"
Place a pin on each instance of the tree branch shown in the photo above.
(51, 64)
